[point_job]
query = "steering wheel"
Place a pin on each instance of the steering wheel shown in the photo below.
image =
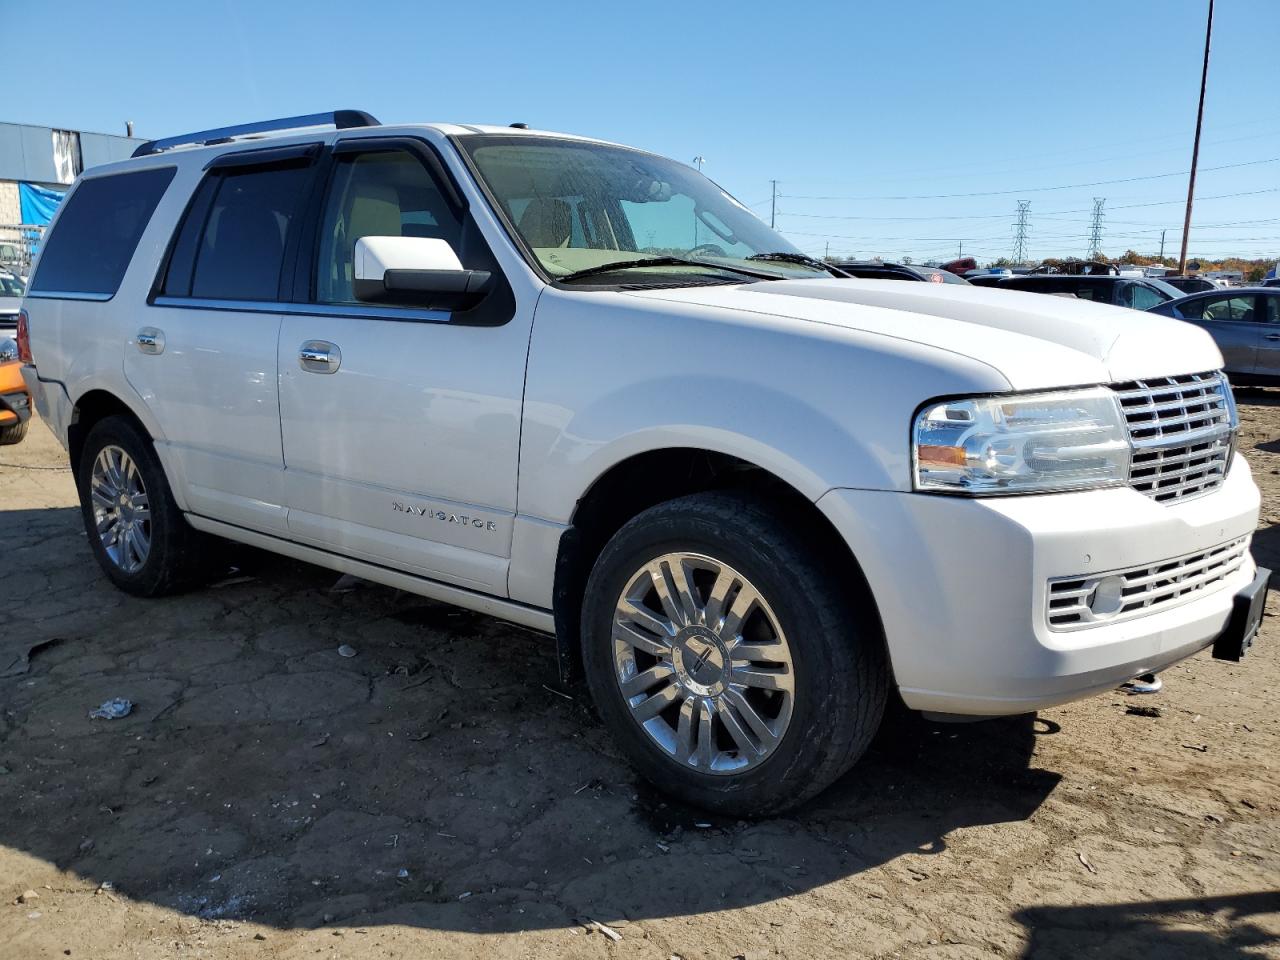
(707, 250)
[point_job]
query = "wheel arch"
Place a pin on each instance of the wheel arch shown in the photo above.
(645, 479)
(92, 406)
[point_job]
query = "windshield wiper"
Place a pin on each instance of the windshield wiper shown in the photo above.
(664, 262)
(800, 258)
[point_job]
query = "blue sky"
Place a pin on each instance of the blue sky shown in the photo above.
(845, 104)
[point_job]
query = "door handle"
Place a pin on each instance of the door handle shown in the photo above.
(319, 356)
(150, 340)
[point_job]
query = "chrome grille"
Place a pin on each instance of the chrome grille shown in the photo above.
(1074, 601)
(1182, 430)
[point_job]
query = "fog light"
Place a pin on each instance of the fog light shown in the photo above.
(1107, 598)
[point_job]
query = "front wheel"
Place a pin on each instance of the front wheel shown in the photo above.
(726, 658)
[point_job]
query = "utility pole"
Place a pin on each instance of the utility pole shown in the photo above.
(1162, 245)
(1195, 149)
(1020, 229)
(960, 255)
(773, 205)
(827, 255)
(1095, 228)
(699, 160)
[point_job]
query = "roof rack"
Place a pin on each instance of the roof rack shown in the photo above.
(340, 119)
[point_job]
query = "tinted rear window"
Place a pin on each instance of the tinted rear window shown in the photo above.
(96, 234)
(232, 241)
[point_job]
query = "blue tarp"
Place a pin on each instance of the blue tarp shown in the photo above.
(38, 203)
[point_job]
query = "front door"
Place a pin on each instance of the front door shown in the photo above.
(1268, 362)
(204, 355)
(401, 426)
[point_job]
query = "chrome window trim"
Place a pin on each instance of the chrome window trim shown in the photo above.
(67, 295)
(359, 312)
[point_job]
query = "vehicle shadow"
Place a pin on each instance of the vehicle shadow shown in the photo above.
(1156, 928)
(1262, 396)
(437, 778)
(1266, 550)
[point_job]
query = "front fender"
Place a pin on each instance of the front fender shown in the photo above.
(819, 406)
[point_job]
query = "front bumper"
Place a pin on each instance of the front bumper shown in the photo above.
(961, 587)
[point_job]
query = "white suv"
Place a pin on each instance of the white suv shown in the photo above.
(580, 387)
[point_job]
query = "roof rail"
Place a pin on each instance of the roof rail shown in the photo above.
(341, 119)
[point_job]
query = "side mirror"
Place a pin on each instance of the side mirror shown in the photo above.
(416, 271)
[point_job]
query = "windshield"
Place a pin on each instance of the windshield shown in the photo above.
(11, 286)
(579, 205)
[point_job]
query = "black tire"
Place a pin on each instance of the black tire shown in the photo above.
(178, 557)
(13, 433)
(840, 666)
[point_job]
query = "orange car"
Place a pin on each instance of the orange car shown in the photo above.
(15, 401)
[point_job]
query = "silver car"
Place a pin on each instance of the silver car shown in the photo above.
(1245, 322)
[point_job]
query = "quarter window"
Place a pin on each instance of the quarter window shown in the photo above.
(383, 194)
(91, 245)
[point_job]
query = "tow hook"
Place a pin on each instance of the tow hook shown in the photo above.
(1147, 683)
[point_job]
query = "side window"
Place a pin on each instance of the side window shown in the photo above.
(1143, 297)
(1229, 308)
(231, 244)
(383, 194)
(1272, 309)
(1088, 290)
(90, 248)
(1191, 309)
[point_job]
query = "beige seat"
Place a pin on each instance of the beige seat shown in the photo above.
(545, 222)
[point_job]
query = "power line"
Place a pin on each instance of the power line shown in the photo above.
(1065, 186)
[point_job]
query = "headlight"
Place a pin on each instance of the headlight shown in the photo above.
(1029, 443)
(8, 349)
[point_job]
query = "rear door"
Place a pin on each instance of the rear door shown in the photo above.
(204, 354)
(1230, 320)
(402, 447)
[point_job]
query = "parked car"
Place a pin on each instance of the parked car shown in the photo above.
(1191, 284)
(15, 400)
(1271, 282)
(1244, 322)
(1141, 293)
(574, 385)
(11, 291)
(878, 270)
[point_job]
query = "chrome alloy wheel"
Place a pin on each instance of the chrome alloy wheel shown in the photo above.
(702, 662)
(121, 510)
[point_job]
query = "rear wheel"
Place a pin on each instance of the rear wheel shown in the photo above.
(726, 659)
(136, 531)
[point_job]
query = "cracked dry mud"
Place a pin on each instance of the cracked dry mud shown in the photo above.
(431, 797)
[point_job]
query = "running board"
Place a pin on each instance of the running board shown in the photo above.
(532, 617)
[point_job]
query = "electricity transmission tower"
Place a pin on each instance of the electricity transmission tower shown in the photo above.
(1095, 228)
(1020, 230)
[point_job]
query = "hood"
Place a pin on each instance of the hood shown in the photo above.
(1035, 340)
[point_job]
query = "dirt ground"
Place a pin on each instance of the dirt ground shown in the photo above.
(439, 795)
